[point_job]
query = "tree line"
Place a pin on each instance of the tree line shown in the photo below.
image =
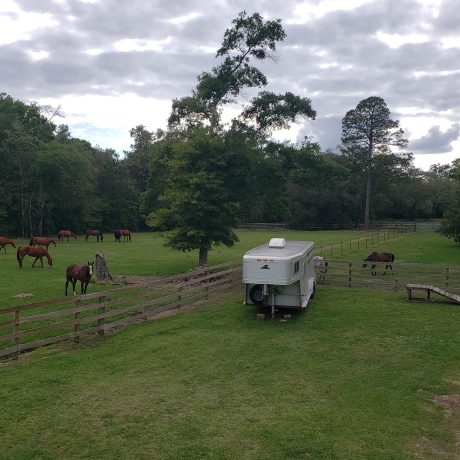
(201, 177)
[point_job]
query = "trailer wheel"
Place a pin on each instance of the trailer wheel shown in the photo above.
(256, 294)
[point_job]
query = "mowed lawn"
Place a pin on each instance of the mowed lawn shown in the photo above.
(360, 374)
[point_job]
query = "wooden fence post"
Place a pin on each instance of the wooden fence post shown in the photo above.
(332, 249)
(76, 339)
(100, 311)
(179, 298)
(144, 303)
(349, 274)
(15, 332)
(447, 277)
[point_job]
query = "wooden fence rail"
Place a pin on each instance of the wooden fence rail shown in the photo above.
(26, 327)
(350, 273)
(362, 242)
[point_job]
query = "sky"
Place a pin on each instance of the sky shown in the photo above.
(110, 65)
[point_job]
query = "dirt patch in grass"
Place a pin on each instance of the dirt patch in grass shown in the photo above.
(135, 280)
(427, 448)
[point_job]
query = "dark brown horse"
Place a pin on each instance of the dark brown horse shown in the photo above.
(4, 241)
(42, 241)
(66, 234)
(94, 232)
(387, 257)
(80, 273)
(122, 232)
(37, 252)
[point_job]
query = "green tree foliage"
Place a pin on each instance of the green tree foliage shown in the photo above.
(197, 202)
(368, 130)
(200, 204)
(450, 225)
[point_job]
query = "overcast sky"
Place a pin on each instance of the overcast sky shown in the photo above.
(114, 64)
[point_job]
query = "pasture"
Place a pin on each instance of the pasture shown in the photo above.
(144, 255)
(361, 374)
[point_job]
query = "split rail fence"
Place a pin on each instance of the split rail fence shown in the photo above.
(26, 327)
(350, 273)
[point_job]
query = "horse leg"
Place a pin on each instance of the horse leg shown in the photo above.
(36, 258)
(74, 282)
(66, 285)
(3, 247)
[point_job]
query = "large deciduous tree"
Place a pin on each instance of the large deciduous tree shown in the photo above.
(200, 201)
(368, 130)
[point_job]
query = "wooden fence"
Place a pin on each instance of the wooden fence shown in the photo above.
(362, 242)
(26, 327)
(350, 273)
(263, 226)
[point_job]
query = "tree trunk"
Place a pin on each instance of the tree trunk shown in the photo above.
(102, 272)
(368, 198)
(203, 257)
(368, 189)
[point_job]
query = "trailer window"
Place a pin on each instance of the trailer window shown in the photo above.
(296, 267)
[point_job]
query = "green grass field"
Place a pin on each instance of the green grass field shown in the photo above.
(361, 374)
(146, 255)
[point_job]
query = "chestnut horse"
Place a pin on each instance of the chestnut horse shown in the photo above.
(122, 232)
(4, 241)
(379, 257)
(66, 234)
(42, 241)
(37, 252)
(95, 232)
(80, 273)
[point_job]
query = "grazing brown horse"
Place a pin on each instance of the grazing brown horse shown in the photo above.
(66, 234)
(80, 273)
(122, 232)
(37, 252)
(4, 241)
(379, 257)
(95, 232)
(42, 241)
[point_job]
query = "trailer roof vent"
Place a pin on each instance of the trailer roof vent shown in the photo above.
(277, 243)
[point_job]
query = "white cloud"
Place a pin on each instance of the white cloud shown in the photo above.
(16, 24)
(307, 11)
(186, 18)
(137, 44)
(106, 120)
(397, 40)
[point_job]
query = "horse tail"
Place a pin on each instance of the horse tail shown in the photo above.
(31, 242)
(392, 259)
(129, 236)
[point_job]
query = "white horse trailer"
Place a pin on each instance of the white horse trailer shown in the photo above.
(280, 274)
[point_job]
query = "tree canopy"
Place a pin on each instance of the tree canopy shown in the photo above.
(368, 130)
(199, 204)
